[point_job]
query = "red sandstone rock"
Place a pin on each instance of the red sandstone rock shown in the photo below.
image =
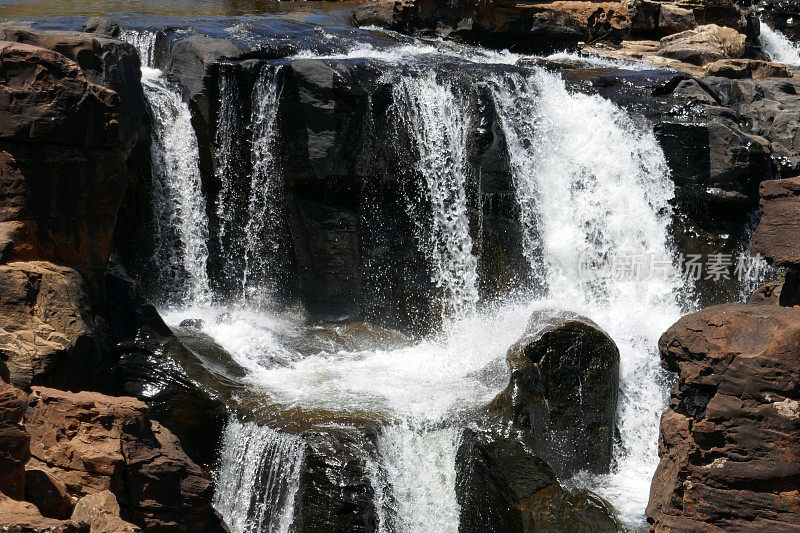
(101, 511)
(23, 517)
(730, 441)
(92, 442)
(777, 237)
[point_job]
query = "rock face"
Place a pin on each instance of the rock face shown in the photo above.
(101, 511)
(778, 234)
(747, 68)
(703, 44)
(563, 391)
(92, 443)
(730, 441)
(49, 333)
(651, 18)
(503, 485)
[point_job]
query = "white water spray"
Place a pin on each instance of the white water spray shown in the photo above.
(778, 47)
(258, 478)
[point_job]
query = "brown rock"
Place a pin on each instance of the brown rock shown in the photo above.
(14, 441)
(703, 45)
(48, 332)
(777, 236)
(48, 494)
(62, 161)
(730, 441)
(93, 442)
(674, 19)
(101, 511)
(23, 517)
(747, 68)
(769, 293)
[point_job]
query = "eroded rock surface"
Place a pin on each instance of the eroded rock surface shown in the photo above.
(730, 441)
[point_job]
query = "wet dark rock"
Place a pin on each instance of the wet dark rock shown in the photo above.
(503, 485)
(563, 391)
(192, 323)
(336, 492)
(730, 441)
(185, 389)
(782, 15)
(102, 26)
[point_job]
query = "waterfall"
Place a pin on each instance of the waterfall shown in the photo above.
(778, 47)
(145, 44)
(179, 209)
(259, 246)
(438, 121)
(420, 467)
(599, 188)
(258, 478)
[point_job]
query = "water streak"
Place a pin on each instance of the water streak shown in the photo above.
(438, 121)
(179, 208)
(258, 478)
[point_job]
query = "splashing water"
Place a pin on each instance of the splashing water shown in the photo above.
(426, 107)
(778, 47)
(179, 208)
(258, 478)
(598, 188)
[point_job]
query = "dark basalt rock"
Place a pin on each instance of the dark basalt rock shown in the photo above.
(504, 486)
(563, 391)
(730, 441)
(336, 493)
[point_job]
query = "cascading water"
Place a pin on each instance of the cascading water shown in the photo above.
(778, 47)
(426, 107)
(179, 209)
(599, 188)
(258, 478)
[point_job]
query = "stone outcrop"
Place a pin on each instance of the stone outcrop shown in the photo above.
(747, 68)
(23, 517)
(101, 511)
(92, 443)
(49, 332)
(777, 236)
(62, 161)
(704, 44)
(730, 442)
(563, 391)
(653, 18)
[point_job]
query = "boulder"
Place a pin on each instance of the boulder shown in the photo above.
(703, 45)
(747, 68)
(23, 517)
(563, 391)
(101, 511)
(92, 442)
(49, 332)
(62, 161)
(48, 494)
(14, 441)
(503, 485)
(769, 293)
(103, 26)
(104, 61)
(777, 236)
(729, 443)
(674, 19)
